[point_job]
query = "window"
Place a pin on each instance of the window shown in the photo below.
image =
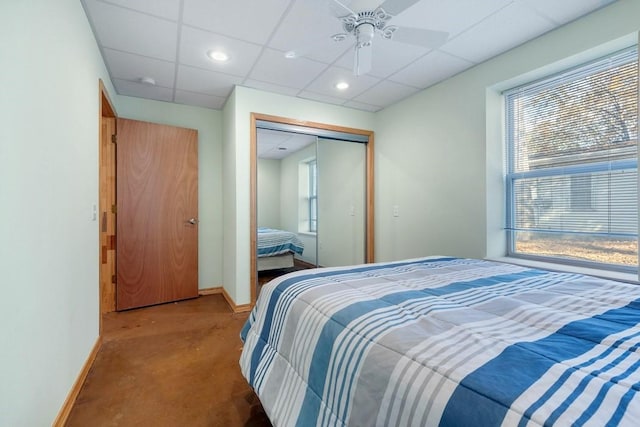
(313, 196)
(572, 185)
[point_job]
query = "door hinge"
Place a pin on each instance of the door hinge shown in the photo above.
(114, 209)
(114, 138)
(113, 279)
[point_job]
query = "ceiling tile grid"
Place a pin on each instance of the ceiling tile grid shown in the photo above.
(168, 41)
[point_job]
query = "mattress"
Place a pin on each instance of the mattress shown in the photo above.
(444, 341)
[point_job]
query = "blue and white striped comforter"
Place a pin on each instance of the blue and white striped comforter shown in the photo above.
(444, 341)
(273, 242)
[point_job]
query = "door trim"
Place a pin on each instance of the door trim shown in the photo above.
(253, 173)
(106, 192)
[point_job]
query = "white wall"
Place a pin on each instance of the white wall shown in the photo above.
(268, 189)
(439, 153)
(236, 188)
(208, 123)
(48, 186)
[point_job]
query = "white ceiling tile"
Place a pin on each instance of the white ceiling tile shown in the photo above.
(307, 29)
(385, 93)
(361, 5)
(200, 100)
(451, 16)
(135, 32)
(498, 33)
(194, 45)
(325, 83)
(270, 87)
(169, 9)
(128, 66)
(564, 11)
(273, 67)
(141, 90)
(207, 82)
(250, 20)
(430, 69)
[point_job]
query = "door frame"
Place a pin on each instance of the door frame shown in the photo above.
(253, 176)
(106, 193)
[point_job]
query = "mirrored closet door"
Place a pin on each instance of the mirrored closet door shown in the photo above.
(311, 198)
(341, 202)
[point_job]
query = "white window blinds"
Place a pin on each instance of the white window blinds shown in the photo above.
(572, 164)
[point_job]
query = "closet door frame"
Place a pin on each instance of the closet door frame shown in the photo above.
(369, 201)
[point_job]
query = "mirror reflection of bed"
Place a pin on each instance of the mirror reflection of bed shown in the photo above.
(279, 252)
(284, 245)
(311, 201)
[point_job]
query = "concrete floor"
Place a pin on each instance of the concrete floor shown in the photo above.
(169, 365)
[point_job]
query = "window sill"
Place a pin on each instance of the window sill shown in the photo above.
(307, 233)
(605, 274)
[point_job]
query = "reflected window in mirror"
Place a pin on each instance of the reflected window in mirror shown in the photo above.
(313, 195)
(308, 195)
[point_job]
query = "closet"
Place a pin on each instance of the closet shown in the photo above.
(315, 182)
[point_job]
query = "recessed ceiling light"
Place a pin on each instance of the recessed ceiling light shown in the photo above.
(342, 85)
(218, 55)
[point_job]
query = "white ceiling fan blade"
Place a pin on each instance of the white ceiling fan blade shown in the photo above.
(315, 45)
(420, 37)
(394, 7)
(363, 59)
(341, 8)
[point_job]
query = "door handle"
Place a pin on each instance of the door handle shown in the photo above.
(192, 221)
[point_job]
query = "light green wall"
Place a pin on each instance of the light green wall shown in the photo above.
(229, 195)
(268, 185)
(208, 123)
(439, 153)
(48, 187)
(246, 101)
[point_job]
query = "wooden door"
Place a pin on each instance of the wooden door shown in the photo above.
(157, 209)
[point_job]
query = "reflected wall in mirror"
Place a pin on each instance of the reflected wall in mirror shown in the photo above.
(311, 198)
(286, 203)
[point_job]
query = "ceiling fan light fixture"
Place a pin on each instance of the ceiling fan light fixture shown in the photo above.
(218, 55)
(364, 34)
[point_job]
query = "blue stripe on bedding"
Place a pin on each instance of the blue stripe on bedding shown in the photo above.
(506, 376)
(565, 376)
(333, 328)
(267, 330)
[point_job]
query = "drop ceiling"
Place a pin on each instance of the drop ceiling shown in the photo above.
(276, 145)
(168, 41)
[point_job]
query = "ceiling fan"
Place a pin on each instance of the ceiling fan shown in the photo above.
(362, 28)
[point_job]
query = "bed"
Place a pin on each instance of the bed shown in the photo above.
(444, 341)
(276, 248)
